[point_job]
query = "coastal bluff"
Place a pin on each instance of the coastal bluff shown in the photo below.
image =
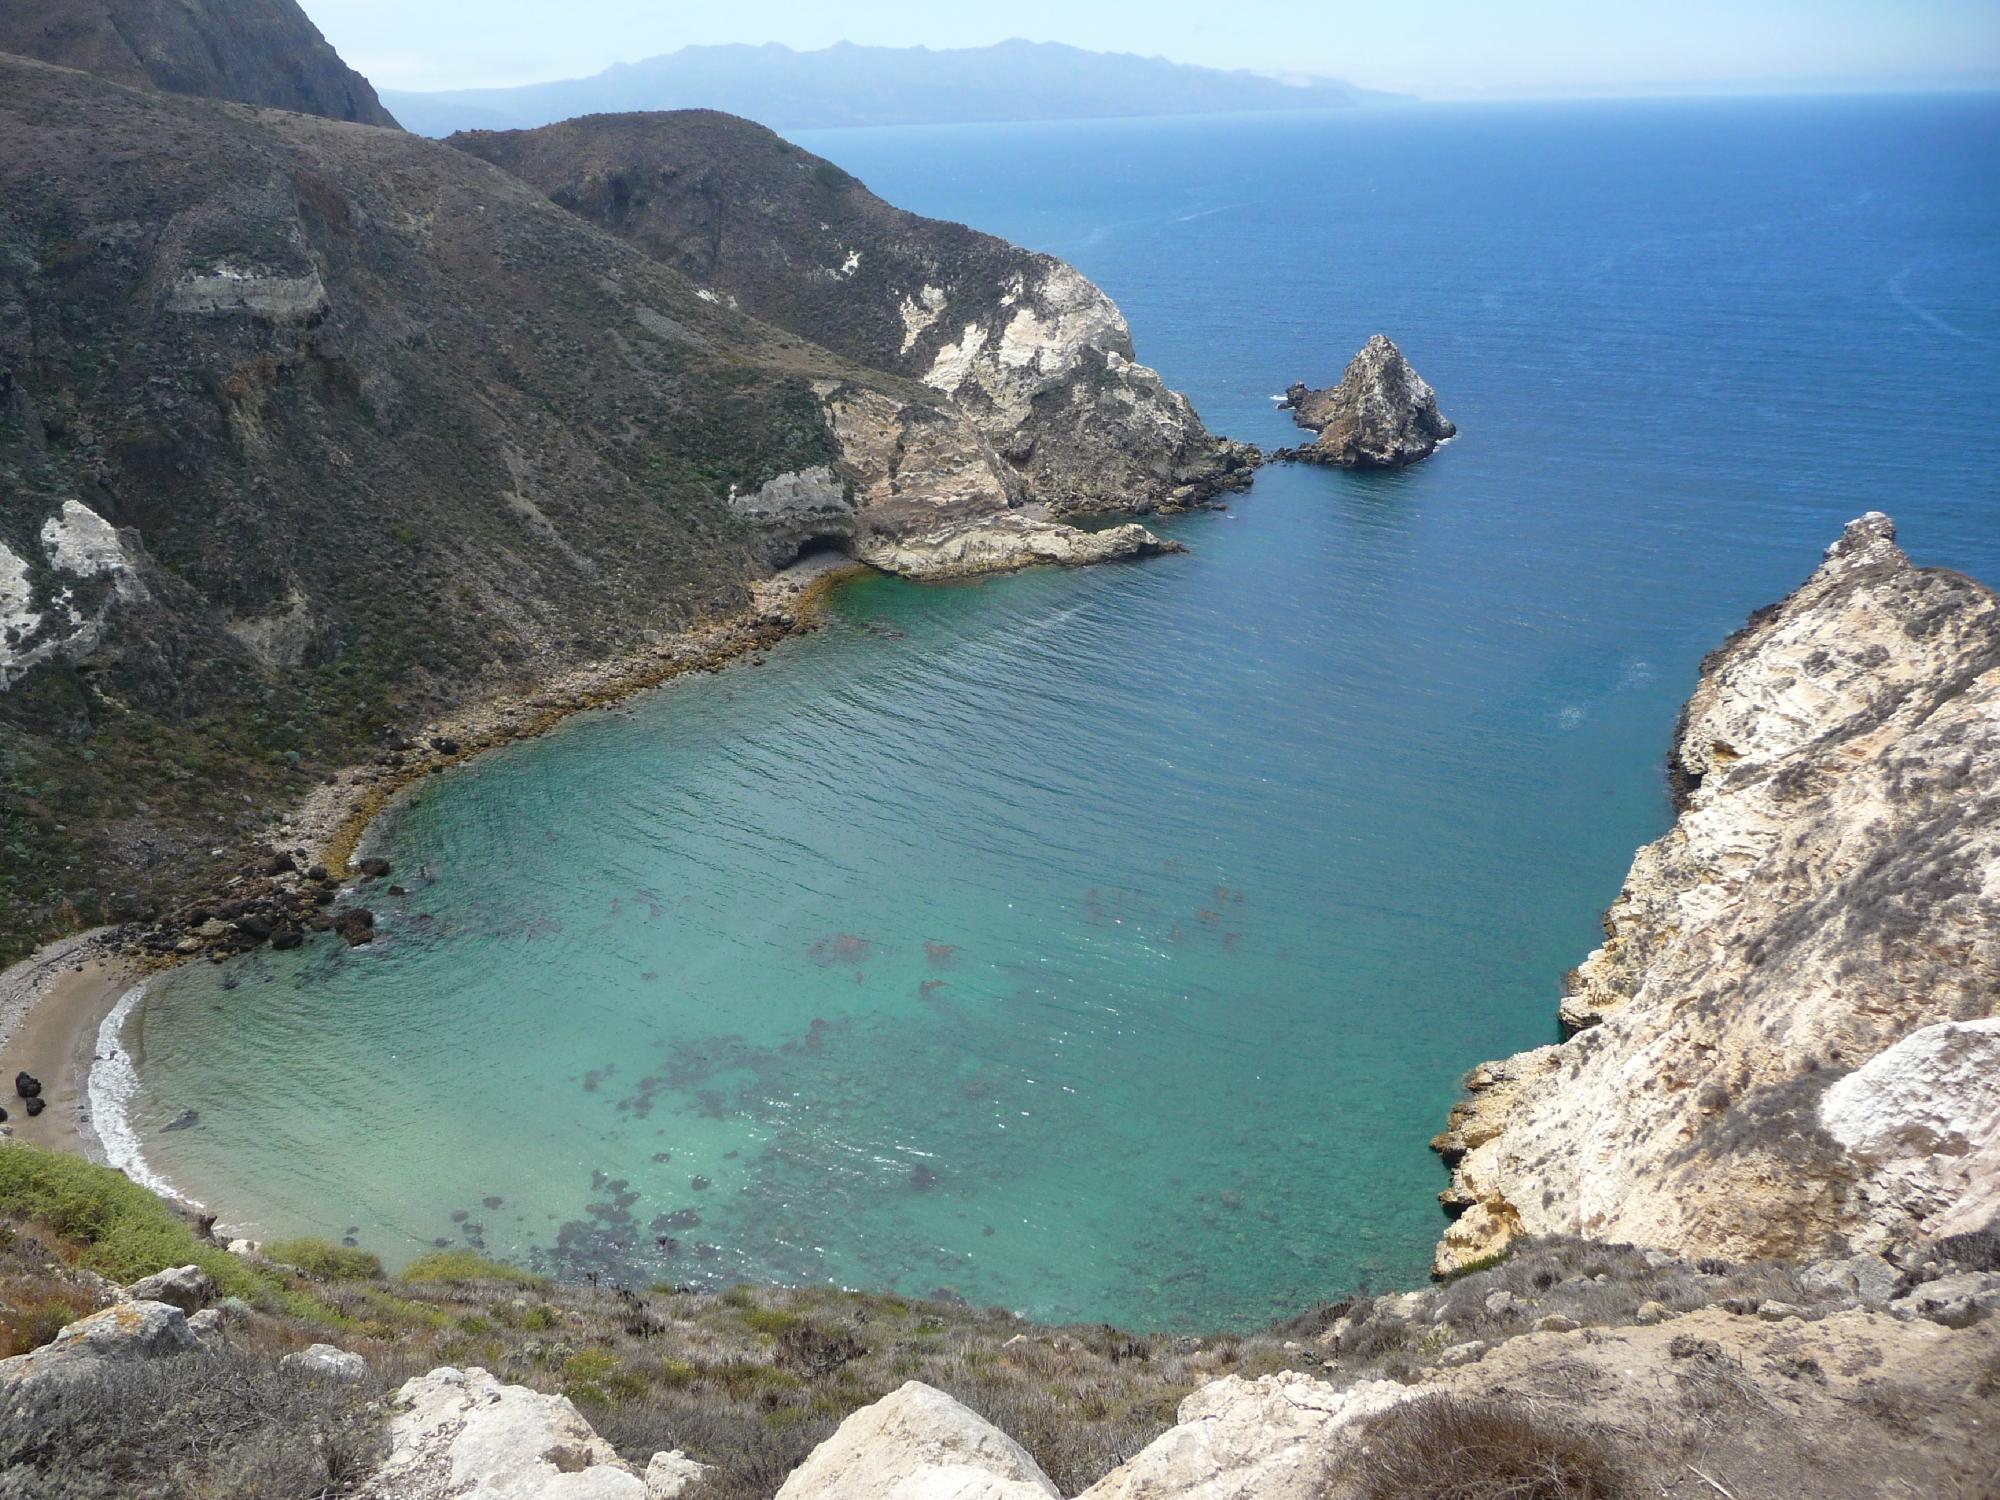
(1381, 415)
(1789, 1041)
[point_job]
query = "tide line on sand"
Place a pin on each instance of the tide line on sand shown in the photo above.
(114, 1084)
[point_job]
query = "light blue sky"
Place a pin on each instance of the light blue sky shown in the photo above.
(1438, 48)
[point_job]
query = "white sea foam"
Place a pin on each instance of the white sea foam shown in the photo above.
(114, 1084)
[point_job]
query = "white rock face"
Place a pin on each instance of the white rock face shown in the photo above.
(462, 1435)
(1924, 1117)
(78, 540)
(79, 544)
(226, 289)
(997, 544)
(1273, 1438)
(1831, 888)
(19, 619)
(671, 1473)
(916, 1443)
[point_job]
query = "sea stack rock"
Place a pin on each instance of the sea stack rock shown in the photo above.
(1382, 415)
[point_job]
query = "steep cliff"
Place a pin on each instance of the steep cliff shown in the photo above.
(1790, 1042)
(310, 431)
(1037, 357)
(251, 51)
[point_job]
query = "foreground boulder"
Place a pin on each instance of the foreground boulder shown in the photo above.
(916, 1443)
(1786, 1043)
(461, 1433)
(127, 1331)
(1237, 1439)
(1382, 415)
(189, 1288)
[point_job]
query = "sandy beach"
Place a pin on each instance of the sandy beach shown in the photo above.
(53, 1002)
(50, 1008)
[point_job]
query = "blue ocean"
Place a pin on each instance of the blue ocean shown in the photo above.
(1107, 945)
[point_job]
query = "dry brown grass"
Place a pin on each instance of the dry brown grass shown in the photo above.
(1442, 1448)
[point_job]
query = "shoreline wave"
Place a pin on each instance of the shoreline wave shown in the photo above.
(112, 1084)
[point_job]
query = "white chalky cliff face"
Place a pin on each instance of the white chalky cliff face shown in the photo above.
(1787, 1042)
(81, 553)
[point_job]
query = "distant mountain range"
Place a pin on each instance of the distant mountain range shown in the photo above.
(853, 85)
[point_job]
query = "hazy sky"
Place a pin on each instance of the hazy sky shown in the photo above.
(1439, 48)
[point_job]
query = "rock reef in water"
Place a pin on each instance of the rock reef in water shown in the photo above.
(1382, 415)
(1786, 1044)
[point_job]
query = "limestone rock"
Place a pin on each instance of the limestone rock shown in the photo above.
(462, 1435)
(187, 1287)
(1382, 415)
(326, 1360)
(126, 1331)
(1265, 1439)
(916, 1443)
(1787, 1043)
(1924, 1118)
(670, 1473)
(1869, 1278)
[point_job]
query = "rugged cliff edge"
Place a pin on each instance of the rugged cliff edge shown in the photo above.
(1037, 357)
(251, 51)
(1791, 1039)
(1382, 414)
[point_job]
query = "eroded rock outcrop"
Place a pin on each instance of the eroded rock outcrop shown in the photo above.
(1274, 1438)
(1787, 1035)
(916, 1443)
(458, 1434)
(1382, 414)
(125, 1331)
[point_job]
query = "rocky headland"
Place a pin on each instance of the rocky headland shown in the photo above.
(1038, 359)
(1382, 414)
(1789, 1043)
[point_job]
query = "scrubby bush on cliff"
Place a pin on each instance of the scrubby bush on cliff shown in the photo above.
(127, 1232)
(225, 1422)
(460, 1267)
(1442, 1448)
(325, 1260)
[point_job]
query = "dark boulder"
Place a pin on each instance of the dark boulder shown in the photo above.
(356, 925)
(254, 925)
(373, 869)
(286, 937)
(281, 864)
(35, 1105)
(27, 1085)
(444, 745)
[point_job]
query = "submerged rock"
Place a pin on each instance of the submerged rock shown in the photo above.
(1382, 415)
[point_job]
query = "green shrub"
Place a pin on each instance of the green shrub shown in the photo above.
(459, 1266)
(128, 1233)
(326, 1260)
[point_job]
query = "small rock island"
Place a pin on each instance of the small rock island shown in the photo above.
(1382, 415)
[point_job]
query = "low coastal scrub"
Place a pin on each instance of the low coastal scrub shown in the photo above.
(235, 1423)
(326, 1261)
(462, 1267)
(1442, 1448)
(120, 1230)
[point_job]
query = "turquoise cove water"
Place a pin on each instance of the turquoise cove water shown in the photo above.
(1107, 944)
